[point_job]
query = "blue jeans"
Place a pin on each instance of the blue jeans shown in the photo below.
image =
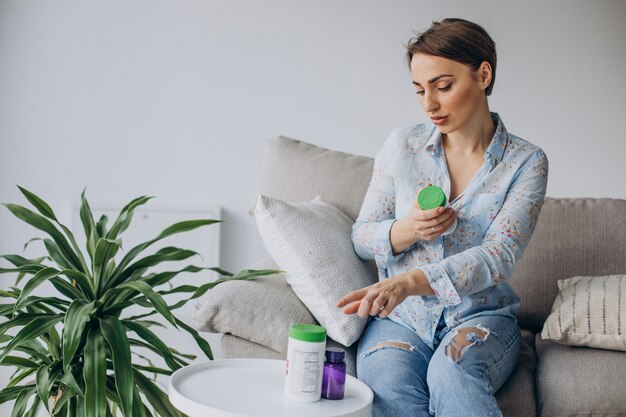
(458, 378)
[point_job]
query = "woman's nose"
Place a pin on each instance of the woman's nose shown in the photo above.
(430, 103)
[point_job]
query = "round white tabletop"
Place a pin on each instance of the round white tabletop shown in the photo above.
(254, 388)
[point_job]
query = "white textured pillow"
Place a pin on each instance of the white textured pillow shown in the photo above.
(589, 311)
(311, 243)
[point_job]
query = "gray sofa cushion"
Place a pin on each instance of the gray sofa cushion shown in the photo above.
(574, 236)
(261, 310)
(236, 347)
(296, 171)
(580, 381)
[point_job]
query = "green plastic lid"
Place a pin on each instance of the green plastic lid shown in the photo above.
(431, 197)
(308, 332)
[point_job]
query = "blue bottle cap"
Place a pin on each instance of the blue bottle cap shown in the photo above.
(335, 354)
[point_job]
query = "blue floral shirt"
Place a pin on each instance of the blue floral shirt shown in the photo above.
(496, 215)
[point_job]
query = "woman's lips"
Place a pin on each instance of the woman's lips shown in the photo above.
(440, 120)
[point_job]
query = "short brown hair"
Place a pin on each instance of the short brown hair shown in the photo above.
(459, 40)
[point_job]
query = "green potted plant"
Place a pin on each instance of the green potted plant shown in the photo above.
(73, 352)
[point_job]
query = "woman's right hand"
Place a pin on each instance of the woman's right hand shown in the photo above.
(420, 225)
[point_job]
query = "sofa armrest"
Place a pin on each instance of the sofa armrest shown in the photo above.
(260, 311)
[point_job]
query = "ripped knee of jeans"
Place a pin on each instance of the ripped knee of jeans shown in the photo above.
(463, 339)
(395, 344)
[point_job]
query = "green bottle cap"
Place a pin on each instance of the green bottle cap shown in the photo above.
(431, 197)
(308, 332)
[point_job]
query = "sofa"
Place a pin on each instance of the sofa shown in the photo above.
(574, 236)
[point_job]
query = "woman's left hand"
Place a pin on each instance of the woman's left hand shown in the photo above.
(388, 293)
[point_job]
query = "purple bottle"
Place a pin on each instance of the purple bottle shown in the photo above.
(334, 377)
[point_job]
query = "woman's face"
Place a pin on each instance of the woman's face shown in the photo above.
(450, 92)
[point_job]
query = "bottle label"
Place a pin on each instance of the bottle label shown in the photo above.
(303, 371)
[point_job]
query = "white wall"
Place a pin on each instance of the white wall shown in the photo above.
(177, 98)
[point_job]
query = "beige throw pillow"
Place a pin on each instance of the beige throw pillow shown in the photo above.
(589, 311)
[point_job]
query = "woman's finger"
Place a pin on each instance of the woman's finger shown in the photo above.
(430, 214)
(385, 312)
(366, 305)
(443, 226)
(439, 219)
(376, 306)
(353, 296)
(352, 308)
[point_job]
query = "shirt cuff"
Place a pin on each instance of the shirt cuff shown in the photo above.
(441, 284)
(383, 253)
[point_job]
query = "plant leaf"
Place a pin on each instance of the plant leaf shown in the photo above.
(139, 410)
(164, 277)
(19, 376)
(43, 385)
(19, 408)
(7, 309)
(40, 222)
(29, 242)
(182, 288)
(247, 274)
(150, 337)
(69, 380)
(86, 218)
(63, 400)
(202, 344)
(18, 260)
(76, 318)
(179, 227)
(82, 280)
(35, 328)
(157, 301)
(155, 396)
(125, 216)
(115, 335)
(105, 250)
(43, 208)
(101, 226)
(39, 278)
(32, 269)
(94, 373)
(36, 351)
(11, 393)
(19, 362)
(14, 293)
(20, 320)
(153, 369)
(34, 408)
(66, 289)
(56, 255)
(38, 203)
(162, 255)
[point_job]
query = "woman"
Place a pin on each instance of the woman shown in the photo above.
(442, 336)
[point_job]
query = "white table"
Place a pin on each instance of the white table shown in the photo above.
(254, 388)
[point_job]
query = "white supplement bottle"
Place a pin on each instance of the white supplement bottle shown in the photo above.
(305, 362)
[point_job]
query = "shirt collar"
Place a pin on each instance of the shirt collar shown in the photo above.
(496, 146)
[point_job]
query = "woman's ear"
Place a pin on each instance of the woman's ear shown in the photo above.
(484, 74)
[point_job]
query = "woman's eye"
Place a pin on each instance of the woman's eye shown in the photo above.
(446, 88)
